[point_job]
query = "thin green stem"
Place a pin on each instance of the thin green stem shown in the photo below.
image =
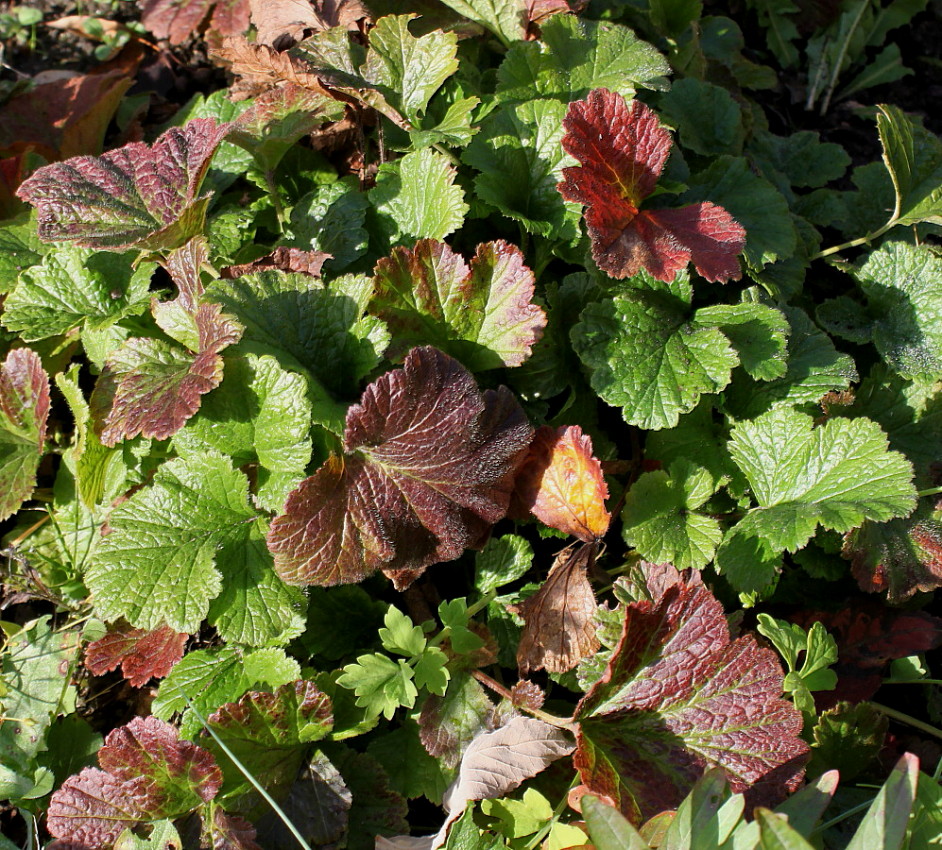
(840, 59)
(909, 721)
(543, 831)
(912, 681)
(247, 774)
(842, 816)
(932, 491)
(272, 186)
(863, 240)
(447, 154)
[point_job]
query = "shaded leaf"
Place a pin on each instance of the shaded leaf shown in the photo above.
(561, 483)
(884, 823)
(134, 196)
(283, 259)
(483, 315)
(177, 20)
(412, 770)
(375, 508)
(679, 696)
(847, 738)
(448, 723)
(622, 150)
(229, 832)
(560, 625)
(141, 654)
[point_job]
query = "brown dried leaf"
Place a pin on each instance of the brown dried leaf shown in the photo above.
(527, 694)
(260, 67)
(283, 23)
(560, 626)
(283, 259)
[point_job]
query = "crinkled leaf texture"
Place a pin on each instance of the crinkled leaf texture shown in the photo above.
(836, 475)
(560, 627)
(176, 21)
(147, 774)
(622, 151)
(24, 407)
(428, 467)
(142, 654)
(136, 196)
(202, 534)
(562, 485)
(482, 314)
(678, 697)
(152, 388)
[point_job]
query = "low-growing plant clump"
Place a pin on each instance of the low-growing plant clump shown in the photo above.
(482, 424)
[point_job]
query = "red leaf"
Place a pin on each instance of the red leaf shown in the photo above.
(869, 636)
(284, 259)
(24, 408)
(148, 774)
(64, 118)
(679, 697)
(561, 483)
(428, 467)
(228, 832)
(93, 808)
(178, 20)
(151, 388)
(135, 196)
(622, 151)
(560, 629)
(142, 655)
(178, 774)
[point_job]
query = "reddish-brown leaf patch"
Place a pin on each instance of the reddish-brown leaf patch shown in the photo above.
(142, 654)
(622, 150)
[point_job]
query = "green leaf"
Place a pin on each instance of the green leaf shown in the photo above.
(409, 70)
(519, 155)
(211, 677)
(321, 329)
(200, 530)
(259, 415)
(884, 823)
(503, 560)
(661, 521)
(483, 313)
(341, 620)
(705, 116)
(519, 818)
(903, 284)
(646, 356)
(505, 18)
(819, 650)
(609, 829)
(24, 408)
(758, 333)
(400, 634)
(431, 674)
(418, 196)
(20, 248)
(449, 722)
(381, 684)
(576, 55)
(776, 834)
(672, 17)
(412, 771)
(913, 156)
(751, 201)
(330, 219)
(835, 476)
(847, 738)
(454, 616)
(814, 368)
(35, 686)
(801, 158)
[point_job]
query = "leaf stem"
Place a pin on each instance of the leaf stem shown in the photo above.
(862, 240)
(931, 491)
(910, 721)
(843, 816)
(840, 60)
(498, 688)
(912, 681)
(248, 775)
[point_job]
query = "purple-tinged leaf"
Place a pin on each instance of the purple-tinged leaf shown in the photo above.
(448, 723)
(178, 775)
(678, 697)
(279, 118)
(92, 808)
(24, 407)
(483, 314)
(282, 259)
(177, 20)
(428, 467)
(135, 196)
(228, 832)
(152, 388)
(142, 654)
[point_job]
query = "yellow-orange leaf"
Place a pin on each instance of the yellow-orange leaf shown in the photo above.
(562, 484)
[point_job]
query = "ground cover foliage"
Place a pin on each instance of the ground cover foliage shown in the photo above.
(477, 424)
